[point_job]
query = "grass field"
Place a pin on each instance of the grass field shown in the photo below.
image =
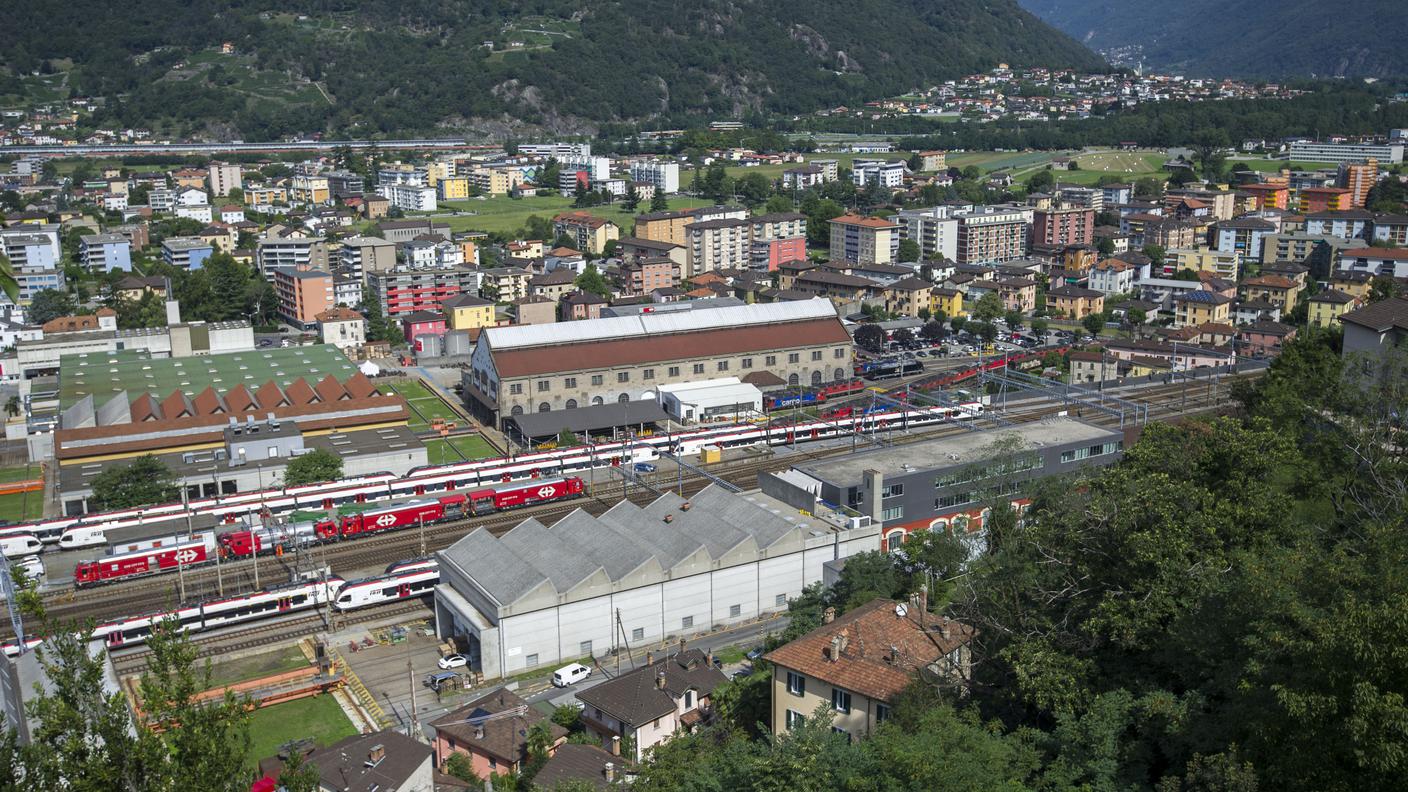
(230, 672)
(22, 506)
(316, 717)
(19, 473)
(445, 451)
(988, 161)
(506, 215)
(1273, 166)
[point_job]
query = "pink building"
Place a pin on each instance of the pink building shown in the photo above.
(1062, 227)
(422, 323)
(1264, 339)
(494, 745)
(645, 275)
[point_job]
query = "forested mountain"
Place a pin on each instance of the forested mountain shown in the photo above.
(1355, 38)
(377, 66)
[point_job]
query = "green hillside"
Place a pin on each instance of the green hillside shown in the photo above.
(385, 66)
(1356, 38)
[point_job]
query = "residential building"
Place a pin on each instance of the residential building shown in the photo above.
(553, 285)
(860, 663)
(105, 252)
(1327, 306)
(518, 370)
(718, 244)
(359, 255)
(186, 252)
(1376, 326)
(931, 161)
(1243, 236)
(198, 212)
(344, 184)
(581, 305)
(232, 214)
(224, 177)
(1358, 178)
(1198, 307)
(588, 232)
(1017, 294)
(1063, 226)
(383, 761)
(879, 173)
(864, 240)
(1308, 151)
(909, 297)
(847, 292)
(992, 234)
(302, 295)
(410, 197)
(344, 328)
(453, 188)
(934, 229)
(1323, 199)
(803, 177)
(1223, 264)
(1079, 195)
(278, 250)
(504, 284)
(1389, 228)
(663, 176)
(416, 326)
(403, 291)
(670, 226)
(948, 302)
(1264, 339)
(492, 731)
(777, 238)
(646, 275)
(1116, 194)
(1075, 302)
(497, 181)
(469, 312)
(309, 190)
(261, 198)
(1268, 195)
(646, 706)
(1278, 290)
(399, 231)
(1376, 261)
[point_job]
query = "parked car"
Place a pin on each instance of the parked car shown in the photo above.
(645, 467)
(453, 661)
(570, 674)
(435, 681)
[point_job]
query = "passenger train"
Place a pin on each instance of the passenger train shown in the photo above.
(90, 529)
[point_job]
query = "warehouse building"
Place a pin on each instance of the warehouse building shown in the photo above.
(546, 368)
(537, 596)
(948, 482)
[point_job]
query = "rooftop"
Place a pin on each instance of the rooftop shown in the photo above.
(1381, 316)
(636, 697)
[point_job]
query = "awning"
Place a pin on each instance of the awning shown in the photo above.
(589, 419)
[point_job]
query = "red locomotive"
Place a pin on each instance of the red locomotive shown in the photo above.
(198, 549)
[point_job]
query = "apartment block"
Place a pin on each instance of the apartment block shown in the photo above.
(864, 240)
(1063, 227)
(410, 197)
(105, 252)
(990, 234)
(404, 291)
(663, 176)
(224, 177)
(302, 295)
(934, 229)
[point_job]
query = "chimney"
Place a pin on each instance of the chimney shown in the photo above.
(669, 518)
(874, 483)
(650, 658)
(615, 746)
(660, 680)
(845, 641)
(478, 731)
(377, 753)
(828, 616)
(685, 506)
(833, 649)
(681, 646)
(944, 630)
(709, 658)
(610, 771)
(923, 601)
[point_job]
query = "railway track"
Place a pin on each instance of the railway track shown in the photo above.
(365, 555)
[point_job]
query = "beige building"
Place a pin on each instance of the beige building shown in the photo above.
(344, 328)
(717, 244)
(599, 361)
(495, 181)
(864, 240)
(588, 232)
(309, 190)
(224, 177)
(909, 296)
(856, 664)
(1225, 265)
(505, 284)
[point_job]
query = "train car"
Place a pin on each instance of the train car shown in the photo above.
(510, 496)
(19, 545)
(894, 369)
(427, 562)
(834, 389)
(401, 515)
(270, 602)
(276, 538)
(199, 549)
(387, 588)
(777, 400)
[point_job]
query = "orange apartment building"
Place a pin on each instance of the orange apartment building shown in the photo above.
(1323, 199)
(1359, 178)
(303, 294)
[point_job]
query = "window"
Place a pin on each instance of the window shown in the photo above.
(597, 379)
(531, 660)
(571, 404)
(687, 623)
(838, 353)
(892, 490)
(839, 730)
(544, 407)
(723, 365)
(792, 718)
(638, 634)
(840, 700)
(674, 371)
(770, 360)
(648, 374)
(516, 389)
(794, 357)
(542, 386)
(882, 713)
(780, 601)
(816, 354)
(698, 368)
(734, 611)
(747, 363)
(585, 648)
(569, 382)
(623, 376)
(894, 540)
(796, 683)
(689, 699)
(892, 513)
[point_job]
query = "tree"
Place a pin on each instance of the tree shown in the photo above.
(632, 198)
(1208, 151)
(909, 251)
(933, 331)
(547, 175)
(1136, 316)
(1014, 319)
(870, 338)
(566, 438)
(1041, 180)
(298, 775)
(591, 280)
(1093, 323)
(313, 467)
(989, 307)
(49, 304)
(1383, 287)
(753, 189)
(1040, 326)
(1106, 246)
(13, 407)
(8, 282)
(1155, 254)
(144, 482)
(986, 331)
(915, 163)
(460, 766)
(902, 336)
(957, 323)
(658, 202)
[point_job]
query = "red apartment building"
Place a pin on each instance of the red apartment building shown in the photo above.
(1062, 227)
(402, 292)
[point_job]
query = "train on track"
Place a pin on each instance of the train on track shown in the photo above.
(166, 554)
(805, 397)
(231, 510)
(402, 581)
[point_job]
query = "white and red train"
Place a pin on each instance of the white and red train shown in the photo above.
(90, 529)
(166, 554)
(402, 580)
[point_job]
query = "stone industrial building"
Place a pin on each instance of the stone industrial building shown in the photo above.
(543, 368)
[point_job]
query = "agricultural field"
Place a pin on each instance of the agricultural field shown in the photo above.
(988, 161)
(318, 718)
(239, 73)
(1272, 166)
(501, 214)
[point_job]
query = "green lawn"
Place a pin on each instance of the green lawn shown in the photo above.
(231, 672)
(449, 450)
(412, 389)
(1273, 166)
(474, 447)
(316, 717)
(507, 215)
(20, 473)
(22, 506)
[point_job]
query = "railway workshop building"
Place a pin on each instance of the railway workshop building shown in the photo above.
(570, 365)
(224, 423)
(539, 596)
(946, 483)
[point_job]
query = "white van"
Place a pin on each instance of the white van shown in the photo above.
(16, 545)
(33, 567)
(570, 674)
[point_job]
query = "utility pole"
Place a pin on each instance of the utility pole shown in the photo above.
(411, 678)
(180, 566)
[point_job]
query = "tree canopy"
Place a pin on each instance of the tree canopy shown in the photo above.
(315, 466)
(143, 482)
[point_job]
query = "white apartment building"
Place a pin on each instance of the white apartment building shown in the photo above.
(990, 234)
(559, 150)
(880, 172)
(199, 212)
(934, 229)
(718, 244)
(161, 199)
(224, 177)
(1339, 153)
(597, 168)
(409, 197)
(663, 176)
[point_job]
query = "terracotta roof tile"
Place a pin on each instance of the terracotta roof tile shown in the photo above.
(239, 399)
(300, 392)
(208, 402)
(359, 387)
(330, 390)
(177, 405)
(145, 408)
(270, 395)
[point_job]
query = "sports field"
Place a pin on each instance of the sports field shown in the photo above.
(425, 405)
(506, 215)
(464, 448)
